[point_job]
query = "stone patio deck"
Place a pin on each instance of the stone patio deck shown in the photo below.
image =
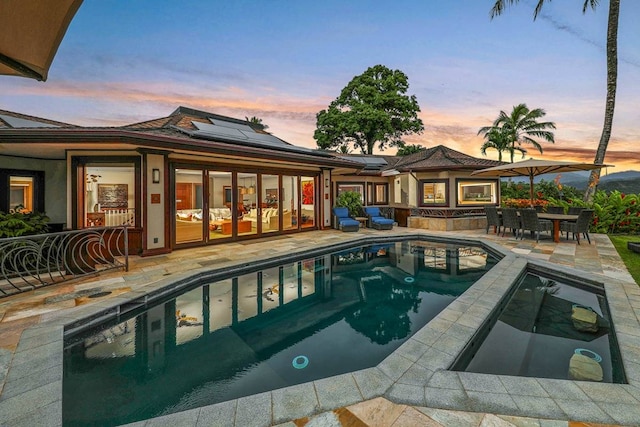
(411, 387)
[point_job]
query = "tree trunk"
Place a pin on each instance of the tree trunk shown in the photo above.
(612, 80)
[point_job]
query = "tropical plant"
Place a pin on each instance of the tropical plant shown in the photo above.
(612, 77)
(521, 127)
(497, 138)
(372, 109)
(405, 150)
(351, 200)
(18, 223)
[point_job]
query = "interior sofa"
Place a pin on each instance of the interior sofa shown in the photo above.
(215, 214)
(269, 218)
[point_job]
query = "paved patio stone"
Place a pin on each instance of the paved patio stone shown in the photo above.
(445, 379)
(337, 391)
(407, 394)
(395, 365)
(522, 386)
(598, 262)
(472, 381)
(435, 359)
(372, 382)
(494, 403)
(294, 402)
(218, 415)
(622, 413)
(563, 389)
(446, 398)
(254, 411)
(416, 375)
(578, 410)
(180, 419)
(534, 406)
(452, 418)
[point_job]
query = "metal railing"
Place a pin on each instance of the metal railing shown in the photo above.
(30, 262)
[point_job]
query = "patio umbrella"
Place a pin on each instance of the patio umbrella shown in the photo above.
(30, 33)
(533, 167)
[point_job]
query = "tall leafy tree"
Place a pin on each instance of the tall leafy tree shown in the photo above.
(405, 150)
(520, 127)
(612, 76)
(372, 109)
(498, 138)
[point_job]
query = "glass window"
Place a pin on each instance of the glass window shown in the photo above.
(434, 193)
(189, 203)
(21, 193)
(110, 195)
(476, 192)
(358, 187)
(308, 207)
(290, 199)
(377, 193)
(21, 190)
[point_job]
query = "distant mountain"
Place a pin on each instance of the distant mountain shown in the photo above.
(625, 182)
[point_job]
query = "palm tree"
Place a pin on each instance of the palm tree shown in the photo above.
(612, 77)
(497, 138)
(521, 127)
(256, 120)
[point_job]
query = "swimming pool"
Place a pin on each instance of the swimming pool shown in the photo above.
(264, 329)
(548, 328)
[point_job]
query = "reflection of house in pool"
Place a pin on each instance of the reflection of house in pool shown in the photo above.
(343, 317)
(430, 189)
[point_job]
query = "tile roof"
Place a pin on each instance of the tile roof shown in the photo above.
(10, 119)
(441, 158)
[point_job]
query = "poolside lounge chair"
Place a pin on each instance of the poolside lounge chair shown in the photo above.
(376, 220)
(580, 226)
(342, 220)
(531, 222)
(511, 220)
(492, 217)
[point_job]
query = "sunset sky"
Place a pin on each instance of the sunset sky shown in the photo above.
(283, 61)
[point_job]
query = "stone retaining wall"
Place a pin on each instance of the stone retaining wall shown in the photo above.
(447, 224)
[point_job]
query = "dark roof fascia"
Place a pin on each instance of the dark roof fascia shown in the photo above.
(10, 135)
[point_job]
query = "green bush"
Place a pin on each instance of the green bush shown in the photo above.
(351, 200)
(16, 223)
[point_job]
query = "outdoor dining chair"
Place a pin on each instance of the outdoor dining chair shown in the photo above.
(555, 209)
(492, 217)
(531, 222)
(575, 210)
(511, 220)
(581, 226)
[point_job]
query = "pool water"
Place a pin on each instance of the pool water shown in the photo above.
(263, 330)
(539, 333)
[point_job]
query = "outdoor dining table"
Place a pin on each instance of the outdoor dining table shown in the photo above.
(556, 218)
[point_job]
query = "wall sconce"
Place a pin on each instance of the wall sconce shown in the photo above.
(155, 176)
(326, 182)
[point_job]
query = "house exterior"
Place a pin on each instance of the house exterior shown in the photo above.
(190, 178)
(430, 189)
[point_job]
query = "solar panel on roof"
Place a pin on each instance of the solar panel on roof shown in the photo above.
(223, 123)
(17, 122)
(220, 131)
